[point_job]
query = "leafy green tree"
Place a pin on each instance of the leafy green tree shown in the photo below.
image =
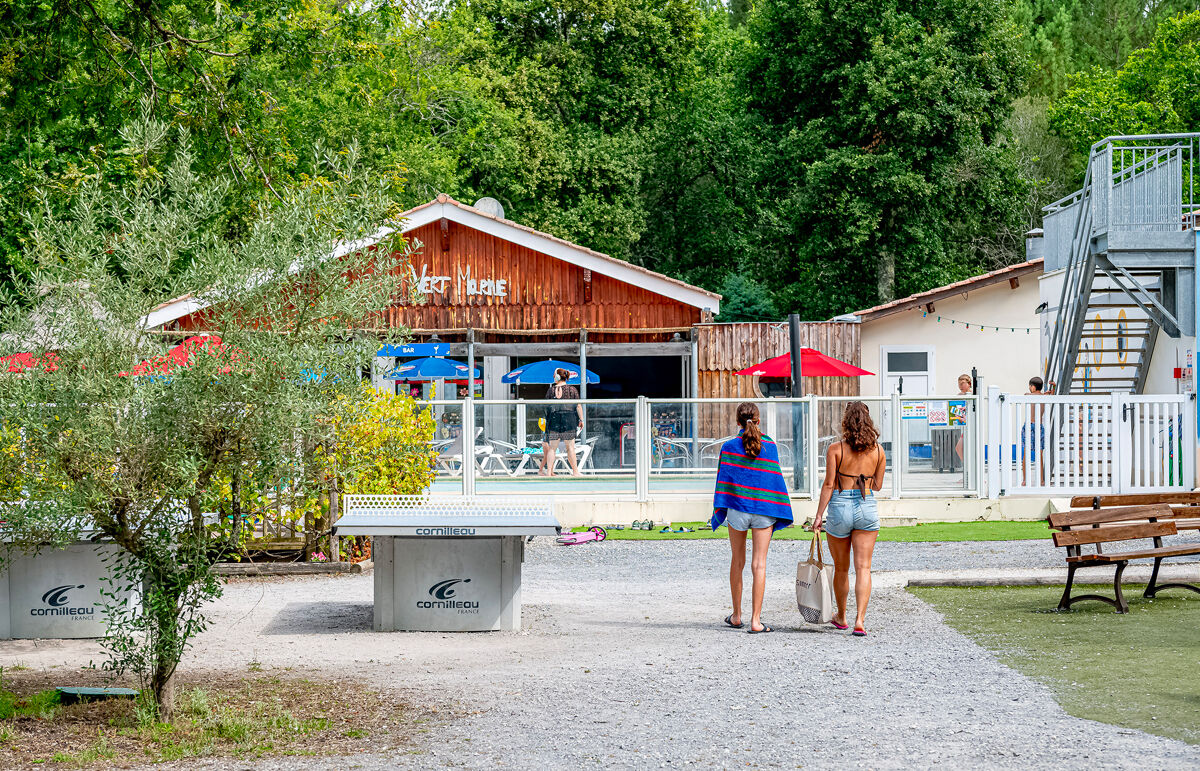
(1067, 37)
(262, 86)
(698, 183)
(156, 464)
(744, 299)
(1153, 92)
(571, 90)
(888, 172)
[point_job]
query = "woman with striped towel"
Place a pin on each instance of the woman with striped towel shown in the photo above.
(751, 495)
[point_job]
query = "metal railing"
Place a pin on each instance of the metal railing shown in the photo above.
(644, 449)
(1132, 183)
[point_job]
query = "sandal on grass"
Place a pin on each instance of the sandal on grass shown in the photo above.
(729, 622)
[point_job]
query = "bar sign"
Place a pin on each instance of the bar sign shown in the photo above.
(415, 349)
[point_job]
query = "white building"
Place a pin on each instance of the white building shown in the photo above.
(923, 342)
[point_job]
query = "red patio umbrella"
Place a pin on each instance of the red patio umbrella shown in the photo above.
(813, 363)
(19, 362)
(181, 356)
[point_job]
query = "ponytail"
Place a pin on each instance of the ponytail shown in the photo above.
(747, 418)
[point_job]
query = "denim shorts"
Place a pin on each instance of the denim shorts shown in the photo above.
(848, 510)
(740, 520)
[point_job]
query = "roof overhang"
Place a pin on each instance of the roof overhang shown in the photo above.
(447, 208)
(1010, 274)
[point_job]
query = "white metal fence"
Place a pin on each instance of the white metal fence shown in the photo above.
(936, 446)
(1102, 444)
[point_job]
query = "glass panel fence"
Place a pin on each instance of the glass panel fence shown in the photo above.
(555, 446)
(686, 438)
(932, 444)
(448, 442)
(939, 443)
(830, 410)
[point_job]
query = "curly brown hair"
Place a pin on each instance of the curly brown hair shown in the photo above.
(858, 430)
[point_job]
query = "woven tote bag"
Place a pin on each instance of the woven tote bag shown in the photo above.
(814, 585)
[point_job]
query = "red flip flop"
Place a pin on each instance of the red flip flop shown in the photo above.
(859, 632)
(836, 625)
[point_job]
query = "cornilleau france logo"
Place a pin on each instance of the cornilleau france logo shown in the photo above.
(56, 600)
(444, 590)
(443, 593)
(57, 597)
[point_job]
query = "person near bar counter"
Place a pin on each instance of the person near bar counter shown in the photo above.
(562, 423)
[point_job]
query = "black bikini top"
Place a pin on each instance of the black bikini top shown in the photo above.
(861, 481)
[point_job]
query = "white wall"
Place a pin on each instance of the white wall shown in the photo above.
(1169, 354)
(1006, 359)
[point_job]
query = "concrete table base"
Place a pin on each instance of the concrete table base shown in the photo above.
(55, 594)
(447, 584)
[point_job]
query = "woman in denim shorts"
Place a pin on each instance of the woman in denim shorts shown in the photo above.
(751, 495)
(853, 470)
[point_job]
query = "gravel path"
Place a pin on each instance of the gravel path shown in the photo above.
(623, 662)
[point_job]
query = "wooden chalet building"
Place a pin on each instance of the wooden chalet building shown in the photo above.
(500, 294)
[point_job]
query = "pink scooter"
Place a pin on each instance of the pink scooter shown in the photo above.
(594, 533)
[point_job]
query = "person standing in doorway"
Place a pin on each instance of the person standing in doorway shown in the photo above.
(751, 495)
(1037, 436)
(562, 424)
(964, 389)
(853, 522)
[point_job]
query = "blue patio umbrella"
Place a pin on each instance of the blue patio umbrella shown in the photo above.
(431, 368)
(543, 372)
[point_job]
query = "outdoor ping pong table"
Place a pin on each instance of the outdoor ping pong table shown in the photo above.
(447, 564)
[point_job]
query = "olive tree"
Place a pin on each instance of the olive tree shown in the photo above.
(156, 458)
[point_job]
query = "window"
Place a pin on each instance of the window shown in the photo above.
(908, 361)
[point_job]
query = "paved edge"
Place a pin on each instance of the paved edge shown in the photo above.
(291, 568)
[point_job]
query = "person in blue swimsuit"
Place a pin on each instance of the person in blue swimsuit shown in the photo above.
(853, 472)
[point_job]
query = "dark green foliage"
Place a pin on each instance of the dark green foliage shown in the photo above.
(744, 299)
(1155, 91)
(1067, 37)
(887, 173)
(836, 153)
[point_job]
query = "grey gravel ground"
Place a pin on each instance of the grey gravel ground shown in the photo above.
(623, 662)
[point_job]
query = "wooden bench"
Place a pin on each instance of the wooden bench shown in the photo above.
(1121, 518)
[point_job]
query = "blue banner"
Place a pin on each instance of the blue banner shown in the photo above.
(415, 349)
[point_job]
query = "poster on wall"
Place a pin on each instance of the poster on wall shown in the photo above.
(939, 414)
(913, 410)
(958, 413)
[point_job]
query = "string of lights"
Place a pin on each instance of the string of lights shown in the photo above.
(972, 325)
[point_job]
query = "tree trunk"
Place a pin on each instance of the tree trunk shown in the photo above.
(885, 269)
(885, 276)
(163, 685)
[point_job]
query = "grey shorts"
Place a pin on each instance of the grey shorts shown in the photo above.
(740, 520)
(848, 511)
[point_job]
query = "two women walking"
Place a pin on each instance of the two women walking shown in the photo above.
(751, 495)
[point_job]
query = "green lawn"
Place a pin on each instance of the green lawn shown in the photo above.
(937, 531)
(1137, 670)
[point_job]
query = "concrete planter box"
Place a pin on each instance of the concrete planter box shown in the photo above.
(55, 594)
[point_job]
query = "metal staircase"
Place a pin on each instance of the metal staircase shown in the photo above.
(1127, 254)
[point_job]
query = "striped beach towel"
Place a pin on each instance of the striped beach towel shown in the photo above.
(752, 485)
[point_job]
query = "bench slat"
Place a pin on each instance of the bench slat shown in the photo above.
(1121, 556)
(1109, 534)
(1098, 516)
(1080, 501)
